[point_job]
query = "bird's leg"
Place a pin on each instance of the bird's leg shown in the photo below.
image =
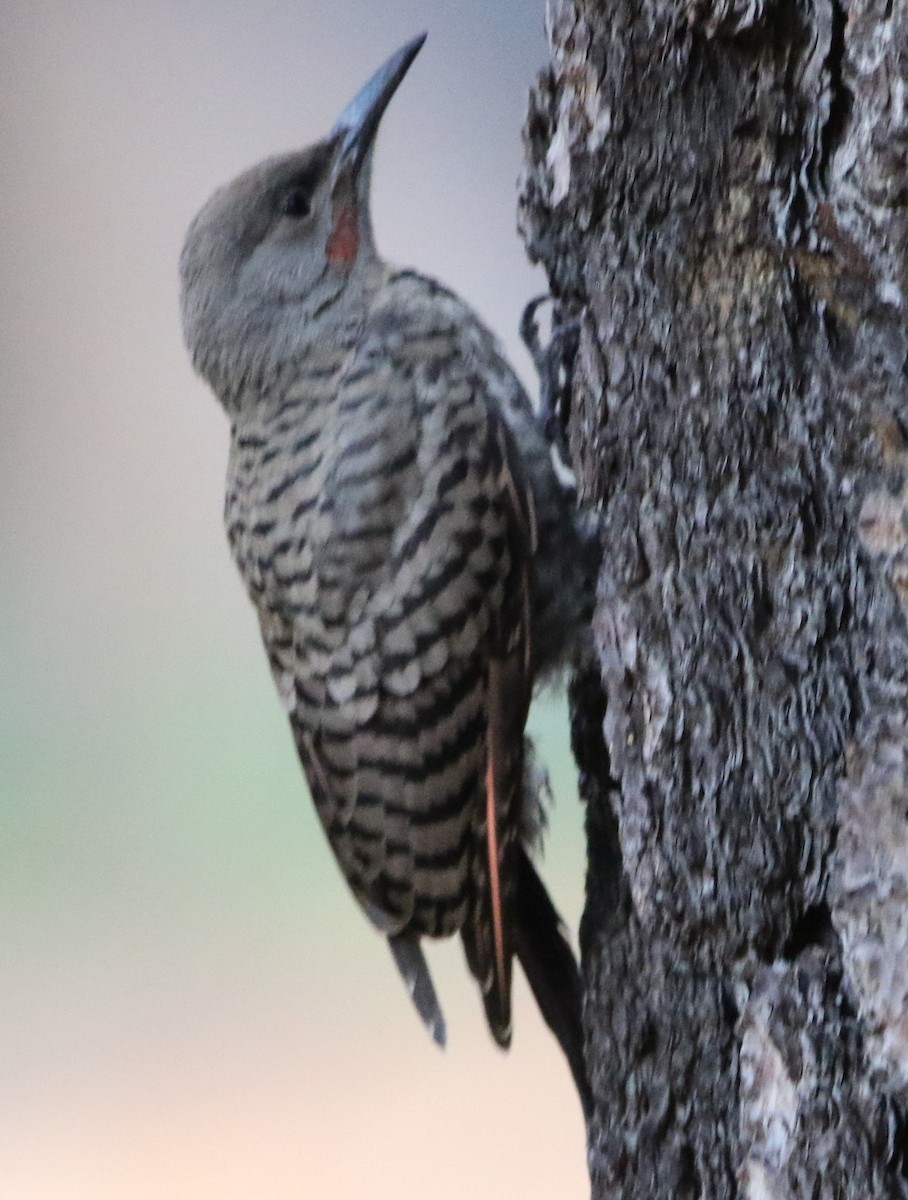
(554, 364)
(408, 955)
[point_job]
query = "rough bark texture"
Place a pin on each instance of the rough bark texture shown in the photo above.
(719, 188)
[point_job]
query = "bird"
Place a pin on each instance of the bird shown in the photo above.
(414, 552)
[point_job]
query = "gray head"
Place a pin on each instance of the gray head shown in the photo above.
(285, 249)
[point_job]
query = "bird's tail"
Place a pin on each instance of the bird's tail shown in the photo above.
(410, 962)
(551, 969)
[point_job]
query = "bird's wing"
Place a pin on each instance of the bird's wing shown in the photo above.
(413, 672)
(487, 936)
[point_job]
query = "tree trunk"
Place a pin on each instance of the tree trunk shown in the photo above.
(719, 189)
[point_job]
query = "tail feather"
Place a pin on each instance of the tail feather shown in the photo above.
(551, 970)
(411, 963)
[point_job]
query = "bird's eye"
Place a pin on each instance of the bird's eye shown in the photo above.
(296, 202)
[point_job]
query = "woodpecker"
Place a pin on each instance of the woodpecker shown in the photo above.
(415, 557)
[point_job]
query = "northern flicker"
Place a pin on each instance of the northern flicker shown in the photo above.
(415, 559)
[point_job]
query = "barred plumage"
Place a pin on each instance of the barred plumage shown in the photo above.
(414, 559)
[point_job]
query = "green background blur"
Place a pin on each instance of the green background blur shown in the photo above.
(191, 1005)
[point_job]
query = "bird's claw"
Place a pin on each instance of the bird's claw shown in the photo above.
(554, 364)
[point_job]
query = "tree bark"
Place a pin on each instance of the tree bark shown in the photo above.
(719, 190)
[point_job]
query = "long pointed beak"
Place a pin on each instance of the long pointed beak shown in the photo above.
(358, 123)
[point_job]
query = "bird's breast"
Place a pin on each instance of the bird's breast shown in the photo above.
(275, 479)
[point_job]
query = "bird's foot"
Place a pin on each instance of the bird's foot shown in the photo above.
(554, 364)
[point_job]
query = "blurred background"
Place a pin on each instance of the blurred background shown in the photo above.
(191, 1005)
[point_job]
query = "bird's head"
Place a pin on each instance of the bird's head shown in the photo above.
(285, 245)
